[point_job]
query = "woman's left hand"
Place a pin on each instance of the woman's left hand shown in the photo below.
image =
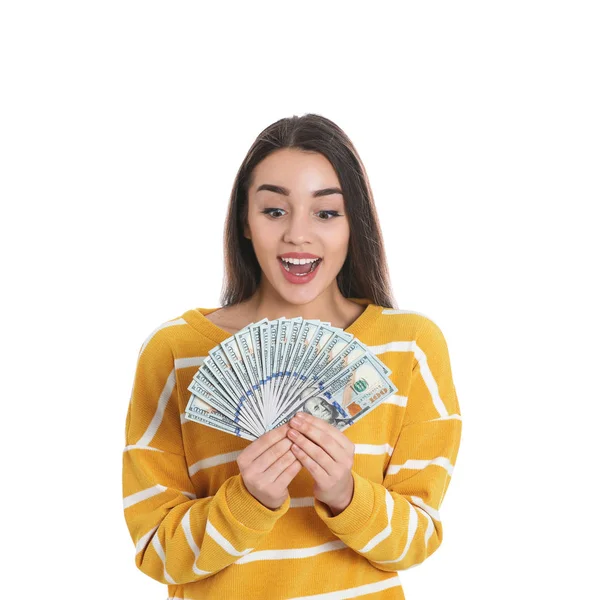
(327, 454)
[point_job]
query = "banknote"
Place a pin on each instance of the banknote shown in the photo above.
(206, 415)
(344, 398)
(263, 374)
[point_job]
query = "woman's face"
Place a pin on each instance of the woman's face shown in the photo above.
(293, 220)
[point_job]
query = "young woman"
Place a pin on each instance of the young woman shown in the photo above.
(304, 511)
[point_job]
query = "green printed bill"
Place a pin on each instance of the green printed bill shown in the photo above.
(268, 371)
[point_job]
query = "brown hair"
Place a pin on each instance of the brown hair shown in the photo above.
(365, 271)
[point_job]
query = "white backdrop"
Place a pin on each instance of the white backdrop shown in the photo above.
(122, 127)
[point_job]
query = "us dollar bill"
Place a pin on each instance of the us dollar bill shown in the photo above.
(247, 369)
(203, 389)
(303, 339)
(347, 397)
(203, 413)
(227, 358)
(321, 355)
(263, 374)
(289, 343)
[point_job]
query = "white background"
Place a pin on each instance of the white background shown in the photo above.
(122, 127)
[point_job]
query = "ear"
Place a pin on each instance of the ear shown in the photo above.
(246, 231)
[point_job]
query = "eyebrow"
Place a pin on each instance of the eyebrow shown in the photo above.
(278, 189)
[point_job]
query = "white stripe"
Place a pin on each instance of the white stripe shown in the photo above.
(220, 459)
(420, 356)
(223, 542)
(431, 511)
(373, 449)
(291, 553)
(213, 461)
(430, 382)
(186, 523)
(380, 537)
(138, 447)
(160, 553)
(149, 434)
(142, 543)
(178, 321)
(430, 528)
(412, 463)
(361, 590)
(396, 399)
(190, 361)
(189, 495)
(396, 311)
(143, 495)
(411, 530)
(150, 492)
(301, 502)
(445, 418)
(394, 346)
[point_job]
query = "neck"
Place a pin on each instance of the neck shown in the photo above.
(330, 306)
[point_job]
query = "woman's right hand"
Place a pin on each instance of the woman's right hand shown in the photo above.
(268, 466)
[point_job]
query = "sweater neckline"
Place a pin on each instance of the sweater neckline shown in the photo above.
(196, 317)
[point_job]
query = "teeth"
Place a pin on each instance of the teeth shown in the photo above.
(299, 261)
(313, 266)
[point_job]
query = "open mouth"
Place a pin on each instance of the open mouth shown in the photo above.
(300, 270)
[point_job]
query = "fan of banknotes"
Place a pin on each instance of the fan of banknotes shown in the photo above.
(262, 375)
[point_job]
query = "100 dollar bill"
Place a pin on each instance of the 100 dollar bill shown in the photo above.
(347, 397)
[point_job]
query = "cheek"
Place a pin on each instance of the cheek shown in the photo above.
(263, 236)
(337, 241)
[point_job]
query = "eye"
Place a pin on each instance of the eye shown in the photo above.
(267, 211)
(331, 214)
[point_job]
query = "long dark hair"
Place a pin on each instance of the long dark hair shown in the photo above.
(364, 273)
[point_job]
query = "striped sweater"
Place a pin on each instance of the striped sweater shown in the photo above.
(196, 527)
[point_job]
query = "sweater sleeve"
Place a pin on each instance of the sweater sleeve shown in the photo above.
(178, 537)
(396, 524)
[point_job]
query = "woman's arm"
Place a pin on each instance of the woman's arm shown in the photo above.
(396, 524)
(180, 538)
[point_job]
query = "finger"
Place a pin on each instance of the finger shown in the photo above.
(320, 436)
(259, 446)
(275, 469)
(315, 452)
(285, 478)
(339, 436)
(316, 471)
(263, 462)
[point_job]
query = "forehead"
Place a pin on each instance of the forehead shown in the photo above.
(296, 170)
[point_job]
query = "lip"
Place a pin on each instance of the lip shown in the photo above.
(299, 279)
(297, 255)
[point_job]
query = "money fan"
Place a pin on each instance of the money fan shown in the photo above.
(258, 378)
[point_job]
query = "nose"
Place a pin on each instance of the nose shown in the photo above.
(297, 231)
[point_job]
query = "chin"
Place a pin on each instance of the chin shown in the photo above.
(299, 294)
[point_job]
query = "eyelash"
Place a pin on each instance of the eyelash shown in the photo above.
(334, 213)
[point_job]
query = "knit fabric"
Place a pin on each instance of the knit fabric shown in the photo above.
(197, 528)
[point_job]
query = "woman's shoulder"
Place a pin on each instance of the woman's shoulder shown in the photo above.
(198, 320)
(418, 323)
(230, 318)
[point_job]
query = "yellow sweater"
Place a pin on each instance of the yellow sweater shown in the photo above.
(197, 529)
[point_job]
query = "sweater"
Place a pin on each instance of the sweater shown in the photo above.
(196, 527)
